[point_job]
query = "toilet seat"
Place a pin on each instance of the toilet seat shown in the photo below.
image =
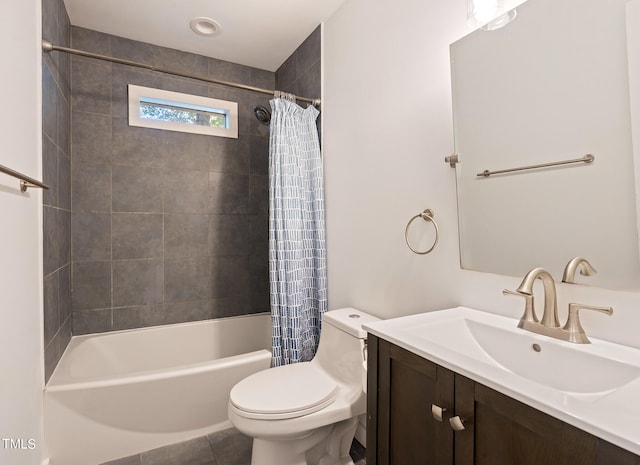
(288, 391)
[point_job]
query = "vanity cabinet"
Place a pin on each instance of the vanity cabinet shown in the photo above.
(402, 429)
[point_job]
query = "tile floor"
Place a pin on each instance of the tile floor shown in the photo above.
(358, 453)
(228, 447)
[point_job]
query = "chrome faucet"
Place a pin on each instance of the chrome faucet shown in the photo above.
(572, 331)
(586, 269)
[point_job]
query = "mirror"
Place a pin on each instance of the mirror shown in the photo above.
(552, 85)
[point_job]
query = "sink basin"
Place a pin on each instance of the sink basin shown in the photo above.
(586, 371)
(559, 365)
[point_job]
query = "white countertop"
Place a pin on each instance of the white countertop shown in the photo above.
(611, 414)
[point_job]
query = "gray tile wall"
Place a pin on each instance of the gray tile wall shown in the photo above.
(301, 74)
(56, 167)
(166, 227)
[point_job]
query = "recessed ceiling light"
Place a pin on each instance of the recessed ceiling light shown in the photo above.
(205, 26)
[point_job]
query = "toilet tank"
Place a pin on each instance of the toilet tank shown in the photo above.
(349, 320)
(341, 351)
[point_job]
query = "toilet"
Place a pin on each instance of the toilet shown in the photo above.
(307, 413)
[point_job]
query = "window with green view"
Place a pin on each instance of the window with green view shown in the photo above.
(174, 111)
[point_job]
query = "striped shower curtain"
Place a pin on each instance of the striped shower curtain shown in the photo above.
(297, 254)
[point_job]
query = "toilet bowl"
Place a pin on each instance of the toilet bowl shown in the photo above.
(307, 413)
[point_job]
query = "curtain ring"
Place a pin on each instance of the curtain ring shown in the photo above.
(428, 216)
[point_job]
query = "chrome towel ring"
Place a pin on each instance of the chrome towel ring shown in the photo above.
(426, 215)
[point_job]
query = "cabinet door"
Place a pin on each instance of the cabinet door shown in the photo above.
(400, 416)
(502, 431)
(608, 454)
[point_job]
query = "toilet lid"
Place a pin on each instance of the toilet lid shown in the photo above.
(288, 391)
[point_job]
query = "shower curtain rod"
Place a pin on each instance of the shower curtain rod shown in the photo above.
(50, 47)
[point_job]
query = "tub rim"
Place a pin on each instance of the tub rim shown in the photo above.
(98, 381)
(160, 374)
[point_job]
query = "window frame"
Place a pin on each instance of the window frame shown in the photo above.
(176, 98)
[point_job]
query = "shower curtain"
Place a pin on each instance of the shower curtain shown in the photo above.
(297, 254)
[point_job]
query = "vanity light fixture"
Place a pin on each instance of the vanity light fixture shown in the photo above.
(489, 15)
(204, 26)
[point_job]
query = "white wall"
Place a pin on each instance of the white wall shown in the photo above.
(633, 54)
(21, 351)
(387, 126)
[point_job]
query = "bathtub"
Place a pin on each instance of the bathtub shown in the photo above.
(121, 393)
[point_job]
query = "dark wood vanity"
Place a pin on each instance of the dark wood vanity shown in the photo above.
(402, 429)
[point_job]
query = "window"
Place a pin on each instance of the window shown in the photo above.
(173, 111)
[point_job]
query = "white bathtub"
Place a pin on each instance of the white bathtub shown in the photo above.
(118, 394)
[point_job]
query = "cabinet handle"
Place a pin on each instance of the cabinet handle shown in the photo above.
(456, 423)
(437, 412)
